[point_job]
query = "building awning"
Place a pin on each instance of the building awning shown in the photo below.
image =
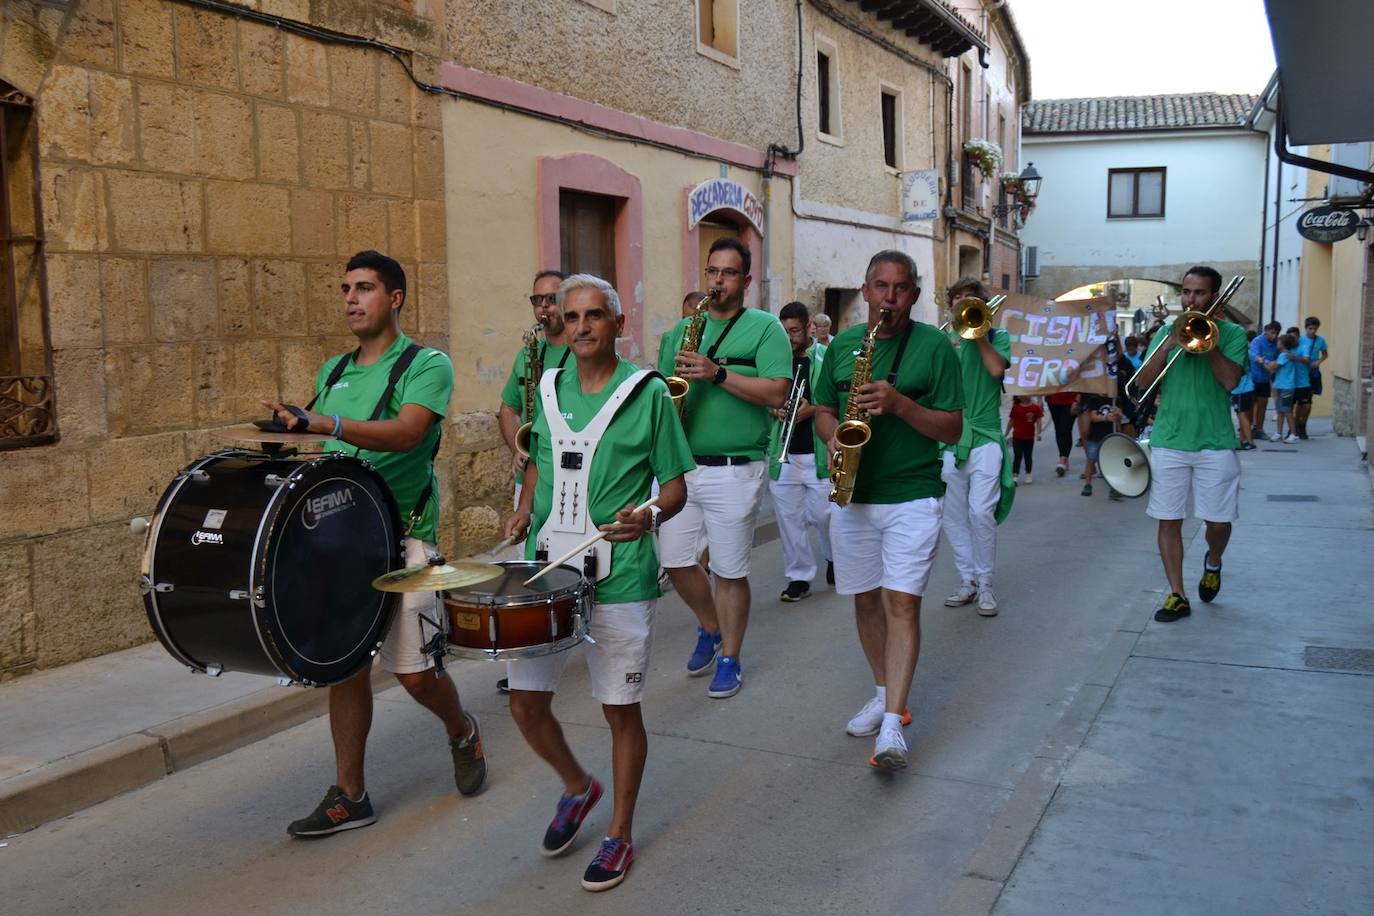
(930, 22)
(1326, 72)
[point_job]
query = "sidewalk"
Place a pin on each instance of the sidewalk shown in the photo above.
(74, 736)
(1221, 763)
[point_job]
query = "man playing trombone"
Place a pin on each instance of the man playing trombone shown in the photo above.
(1192, 445)
(799, 475)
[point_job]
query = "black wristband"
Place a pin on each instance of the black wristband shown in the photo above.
(719, 377)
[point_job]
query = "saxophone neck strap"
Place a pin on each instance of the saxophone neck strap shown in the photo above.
(901, 351)
(729, 325)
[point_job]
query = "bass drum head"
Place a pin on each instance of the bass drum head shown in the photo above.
(337, 529)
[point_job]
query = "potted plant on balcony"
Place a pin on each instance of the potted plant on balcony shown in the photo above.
(985, 154)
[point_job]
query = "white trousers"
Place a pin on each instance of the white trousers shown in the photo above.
(801, 501)
(971, 495)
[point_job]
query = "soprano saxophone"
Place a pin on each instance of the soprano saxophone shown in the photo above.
(534, 368)
(854, 432)
(691, 342)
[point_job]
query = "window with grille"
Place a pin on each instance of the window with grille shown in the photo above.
(1135, 193)
(28, 415)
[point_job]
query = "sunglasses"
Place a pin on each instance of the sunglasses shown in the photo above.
(546, 299)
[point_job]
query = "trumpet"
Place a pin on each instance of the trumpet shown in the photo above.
(791, 409)
(853, 434)
(691, 342)
(1194, 331)
(534, 368)
(973, 317)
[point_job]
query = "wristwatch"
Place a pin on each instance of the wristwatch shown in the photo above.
(719, 377)
(654, 513)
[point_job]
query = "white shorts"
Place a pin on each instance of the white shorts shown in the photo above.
(891, 545)
(618, 661)
(723, 505)
(1212, 477)
(403, 651)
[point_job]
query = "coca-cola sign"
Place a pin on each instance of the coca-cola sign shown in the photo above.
(1328, 224)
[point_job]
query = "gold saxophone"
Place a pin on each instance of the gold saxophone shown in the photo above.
(854, 432)
(691, 342)
(534, 368)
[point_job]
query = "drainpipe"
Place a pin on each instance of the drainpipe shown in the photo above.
(1274, 279)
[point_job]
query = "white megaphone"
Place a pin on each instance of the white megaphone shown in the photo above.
(1125, 462)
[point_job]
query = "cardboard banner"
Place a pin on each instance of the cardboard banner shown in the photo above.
(1060, 346)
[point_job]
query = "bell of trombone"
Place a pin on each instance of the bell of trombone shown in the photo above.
(973, 317)
(1196, 332)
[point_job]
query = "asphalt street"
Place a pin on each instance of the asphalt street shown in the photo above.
(756, 804)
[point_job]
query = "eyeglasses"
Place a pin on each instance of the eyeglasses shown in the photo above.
(546, 299)
(726, 273)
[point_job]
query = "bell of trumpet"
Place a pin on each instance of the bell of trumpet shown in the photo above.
(973, 317)
(1196, 332)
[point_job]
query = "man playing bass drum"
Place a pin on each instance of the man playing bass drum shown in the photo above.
(886, 537)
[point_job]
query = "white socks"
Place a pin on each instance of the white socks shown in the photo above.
(892, 720)
(882, 695)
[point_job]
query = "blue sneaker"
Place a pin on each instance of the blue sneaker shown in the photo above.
(704, 654)
(728, 678)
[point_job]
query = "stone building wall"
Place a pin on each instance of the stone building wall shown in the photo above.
(204, 178)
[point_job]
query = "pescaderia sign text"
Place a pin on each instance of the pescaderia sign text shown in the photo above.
(723, 194)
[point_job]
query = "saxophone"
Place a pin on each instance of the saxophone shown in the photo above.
(854, 432)
(691, 342)
(534, 368)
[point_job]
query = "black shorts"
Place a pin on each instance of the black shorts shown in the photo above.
(1262, 390)
(1243, 403)
(1302, 395)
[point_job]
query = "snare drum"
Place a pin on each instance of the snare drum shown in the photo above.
(264, 565)
(501, 619)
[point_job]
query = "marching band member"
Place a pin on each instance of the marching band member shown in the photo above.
(800, 485)
(977, 468)
(885, 539)
(1192, 445)
(554, 354)
(742, 370)
(401, 447)
(624, 416)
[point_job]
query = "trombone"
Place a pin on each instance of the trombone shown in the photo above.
(973, 317)
(1194, 331)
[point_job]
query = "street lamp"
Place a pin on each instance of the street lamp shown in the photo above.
(1362, 229)
(1029, 182)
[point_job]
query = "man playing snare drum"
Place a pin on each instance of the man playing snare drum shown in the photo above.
(400, 444)
(627, 434)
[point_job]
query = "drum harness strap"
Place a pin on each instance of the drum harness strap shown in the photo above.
(573, 454)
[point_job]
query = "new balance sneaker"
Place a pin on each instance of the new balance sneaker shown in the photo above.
(469, 763)
(796, 590)
(987, 602)
(1211, 582)
(889, 751)
(335, 813)
(567, 820)
(1291, 439)
(704, 654)
(728, 678)
(965, 595)
(868, 720)
(1247, 446)
(1176, 607)
(610, 864)
(829, 572)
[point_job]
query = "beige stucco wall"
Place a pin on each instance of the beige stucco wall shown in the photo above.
(642, 59)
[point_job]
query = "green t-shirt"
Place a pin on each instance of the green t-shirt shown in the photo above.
(643, 442)
(717, 422)
(899, 464)
(556, 356)
(982, 392)
(428, 382)
(1194, 409)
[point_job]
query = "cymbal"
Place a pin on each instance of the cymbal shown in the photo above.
(432, 578)
(247, 432)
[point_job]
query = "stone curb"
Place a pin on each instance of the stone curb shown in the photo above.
(65, 786)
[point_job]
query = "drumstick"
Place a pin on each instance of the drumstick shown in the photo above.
(500, 547)
(584, 545)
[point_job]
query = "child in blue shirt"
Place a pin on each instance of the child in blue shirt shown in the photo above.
(1286, 371)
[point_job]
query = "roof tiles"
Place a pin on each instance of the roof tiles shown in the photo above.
(1115, 114)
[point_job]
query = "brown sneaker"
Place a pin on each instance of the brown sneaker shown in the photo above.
(469, 763)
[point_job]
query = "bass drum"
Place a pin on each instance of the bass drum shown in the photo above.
(265, 564)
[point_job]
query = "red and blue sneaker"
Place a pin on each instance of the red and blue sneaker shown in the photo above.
(567, 820)
(608, 868)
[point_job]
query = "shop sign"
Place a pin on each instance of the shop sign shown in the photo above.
(723, 194)
(920, 195)
(1328, 224)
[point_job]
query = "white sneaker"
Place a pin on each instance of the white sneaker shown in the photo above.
(1027, 478)
(987, 603)
(966, 593)
(889, 751)
(1291, 438)
(868, 720)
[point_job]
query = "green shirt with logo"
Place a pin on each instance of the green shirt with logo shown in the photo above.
(428, 382)
(899, 464)
(1194, 409)
(717, 422)
(553, 356)
(643, 442)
